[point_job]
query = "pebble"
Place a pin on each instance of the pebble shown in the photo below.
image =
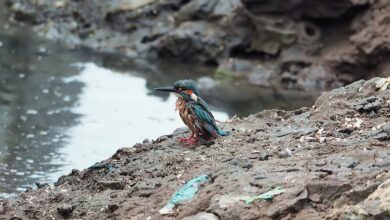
(202, 216)
(285, 153)
(264, 156)
(65, 210)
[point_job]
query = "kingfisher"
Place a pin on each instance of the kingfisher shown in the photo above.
(194, 112)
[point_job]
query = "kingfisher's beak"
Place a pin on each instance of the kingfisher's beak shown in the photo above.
(166, 89)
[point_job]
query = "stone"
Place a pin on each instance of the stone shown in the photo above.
(65, 210)
(243, 163)
(202, 216)
(116, 185)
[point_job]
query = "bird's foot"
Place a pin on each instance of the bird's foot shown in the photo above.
(183, 140)
(192, 141)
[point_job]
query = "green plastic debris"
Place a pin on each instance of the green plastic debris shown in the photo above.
(266, 196)
(185, 193)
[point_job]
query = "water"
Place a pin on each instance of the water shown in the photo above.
(62, 109)
(118, 102)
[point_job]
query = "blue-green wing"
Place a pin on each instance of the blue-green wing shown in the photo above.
(204, 105)
(201, 113)
(205, 120)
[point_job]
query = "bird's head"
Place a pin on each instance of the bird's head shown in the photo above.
(186, 89)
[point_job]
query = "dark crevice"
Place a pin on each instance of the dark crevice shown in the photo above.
(151, 38)
(310, 31)
(211, 62)
(243, 51)
(347, 16)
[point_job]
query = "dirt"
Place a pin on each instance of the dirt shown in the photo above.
(332, 159)
(283, 44)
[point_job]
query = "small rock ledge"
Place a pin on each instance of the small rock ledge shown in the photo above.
(332, 160)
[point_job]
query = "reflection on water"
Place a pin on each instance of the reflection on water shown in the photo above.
(62, 109)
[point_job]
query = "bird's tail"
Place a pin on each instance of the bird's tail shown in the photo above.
(222, 132)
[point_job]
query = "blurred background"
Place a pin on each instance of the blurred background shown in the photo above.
(77, 77)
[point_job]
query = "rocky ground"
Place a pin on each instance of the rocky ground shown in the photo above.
(285, 44)
(332, 159)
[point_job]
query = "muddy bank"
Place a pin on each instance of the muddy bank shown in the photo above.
(332, 160)
(277, 44)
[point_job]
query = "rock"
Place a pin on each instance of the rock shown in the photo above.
(207, 9)
(278, 33)
(375, 206)
(202, 216)
(384, 133)
(199, 41)
(367, 104)
(269, 38)
(197, 9)
(227, 201)
(378, 203)
(332, 179)
(260, 78)
(128, 5)
(382, 84)
(41, 185)
(112, 208)
(295, 204)
(308, 214)
(243, 163)
(325, 192)
(65, 210)
(264, 156)
(303, 8)
(314, 77)
(353, 164)
(75, 172)
(116, 185)
(285, 153)
(181, 130)
(258, 179)
(294, 130)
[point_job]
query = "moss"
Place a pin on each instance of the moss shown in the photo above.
(223, 74)
(387, 213)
